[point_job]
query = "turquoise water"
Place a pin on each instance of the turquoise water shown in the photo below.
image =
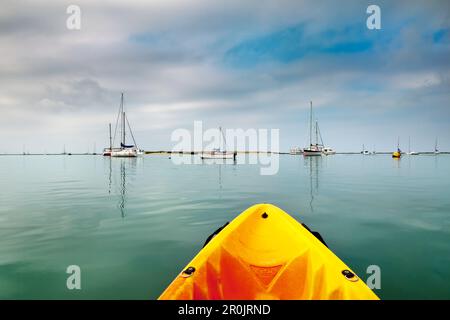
(132, 224)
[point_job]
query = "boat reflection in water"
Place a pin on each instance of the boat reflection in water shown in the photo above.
(312, 164)
(121, 172)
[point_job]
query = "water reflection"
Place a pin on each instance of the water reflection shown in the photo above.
(313, 164)
(397, 162)
(123, 188)
(219, 163)
(220, 179)
(126, 170)
(110, 174)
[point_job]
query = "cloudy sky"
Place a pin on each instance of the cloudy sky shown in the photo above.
(238, 64)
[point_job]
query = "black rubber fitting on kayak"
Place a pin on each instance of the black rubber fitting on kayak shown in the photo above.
(214, 234)
(264, 215)
(316, 234)
(189, 271)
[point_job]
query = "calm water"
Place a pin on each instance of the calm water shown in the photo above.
(132, 224)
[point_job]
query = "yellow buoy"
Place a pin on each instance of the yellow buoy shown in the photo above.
(396, 154)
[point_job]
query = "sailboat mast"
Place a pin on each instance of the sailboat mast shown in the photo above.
(435, 145)
(317, 134)
(110, 138)
(123, 127)
(123, 119)
(224, 142)
(320, 134)
(310, 124)
(221, 140)
(409, 144)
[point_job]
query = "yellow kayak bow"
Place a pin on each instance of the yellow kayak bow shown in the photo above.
(266, 254)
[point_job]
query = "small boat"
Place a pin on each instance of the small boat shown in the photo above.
(436, 150)
(328, 151)
(397, 154)
(316, 148)
(218, 153)
(295, 151)
(411, 153)
(123, 150)
(365, 152)
(265, 254)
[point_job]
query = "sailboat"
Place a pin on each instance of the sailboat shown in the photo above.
(397, 154)
(123, 150)
(313, 149)
(219, 153)
(436, 150)
(364, 151)
(328, 151)
(411, 153)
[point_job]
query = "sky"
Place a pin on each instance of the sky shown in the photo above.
(236, 64)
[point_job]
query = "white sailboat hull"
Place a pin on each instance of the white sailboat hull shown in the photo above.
(124, 153)
(309, 153)
(314, 150)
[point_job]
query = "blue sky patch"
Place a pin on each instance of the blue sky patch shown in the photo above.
(292, 44)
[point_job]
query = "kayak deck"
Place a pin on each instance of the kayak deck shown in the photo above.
(266, 254)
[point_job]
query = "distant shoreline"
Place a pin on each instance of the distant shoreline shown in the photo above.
(162, 152)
